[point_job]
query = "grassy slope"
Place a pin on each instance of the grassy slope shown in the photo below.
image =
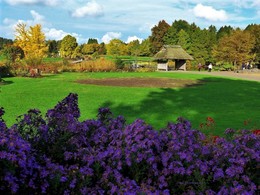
(228, 101)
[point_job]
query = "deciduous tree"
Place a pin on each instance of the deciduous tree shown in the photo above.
(235, 48)
(254, 30)
(133, 47)
(68, 45)
(158, 32)
(32, 41)
(77, 53)
(145, 48)
(90, 48)
(116, 47)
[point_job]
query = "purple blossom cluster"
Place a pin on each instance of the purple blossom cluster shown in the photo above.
(58, 154)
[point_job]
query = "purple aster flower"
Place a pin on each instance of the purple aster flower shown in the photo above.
(229, 131)
(230, 172)
(218, 174)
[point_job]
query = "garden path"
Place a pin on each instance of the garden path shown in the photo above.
(254, 76)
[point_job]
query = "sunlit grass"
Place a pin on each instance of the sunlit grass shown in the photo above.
(228, 101)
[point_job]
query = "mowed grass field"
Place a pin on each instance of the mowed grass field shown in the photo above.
(228, 101)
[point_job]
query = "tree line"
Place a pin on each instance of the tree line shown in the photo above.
(209, 45)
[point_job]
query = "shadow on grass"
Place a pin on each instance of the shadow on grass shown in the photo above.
(228, 102)
(3, 82)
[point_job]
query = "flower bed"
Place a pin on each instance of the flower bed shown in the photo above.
(58, 154)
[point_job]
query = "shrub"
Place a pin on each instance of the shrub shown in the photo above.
(5, 70)
(119, 64)
(99, 65)
(224, 67)
(58, 154)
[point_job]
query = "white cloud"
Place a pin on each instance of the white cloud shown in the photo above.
(129, 39)
(146, 27)
(209, 13)
(33, 2)
(110, 35)
(37, 17)
(246, 3)
(50, 33)
(10, 24)
(91, 9)
(54, 34)
(256, 3)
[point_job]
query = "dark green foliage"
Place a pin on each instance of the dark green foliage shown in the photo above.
(12, 53)
(197, 42)
(54, 47)
(170, 37)
(224, 31)
(4, 41)
(119, 63)
(92, 41)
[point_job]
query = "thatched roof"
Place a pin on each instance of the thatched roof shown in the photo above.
(172, 52)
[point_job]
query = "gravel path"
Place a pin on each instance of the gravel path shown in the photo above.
(253, 76)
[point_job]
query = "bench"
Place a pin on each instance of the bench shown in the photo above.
(162, 66)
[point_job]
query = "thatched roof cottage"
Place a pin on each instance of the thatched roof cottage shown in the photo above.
(172, 52)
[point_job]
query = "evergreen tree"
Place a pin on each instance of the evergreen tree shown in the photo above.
(184, 40)
(92, 41)
(224, 31)
(53, 47)
(170, 37)
(179, 25)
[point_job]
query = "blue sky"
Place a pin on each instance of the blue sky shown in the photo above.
(123, 19)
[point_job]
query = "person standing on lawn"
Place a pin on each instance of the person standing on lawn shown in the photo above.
(210, 67)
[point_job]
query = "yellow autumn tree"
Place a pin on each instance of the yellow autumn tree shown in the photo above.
(32, 42)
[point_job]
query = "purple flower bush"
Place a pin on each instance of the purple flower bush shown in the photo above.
(58, 154)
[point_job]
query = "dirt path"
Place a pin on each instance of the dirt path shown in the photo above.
(242, 75)
(141, 82)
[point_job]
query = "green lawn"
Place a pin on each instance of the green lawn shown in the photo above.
(228, 101)
(51, 60)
